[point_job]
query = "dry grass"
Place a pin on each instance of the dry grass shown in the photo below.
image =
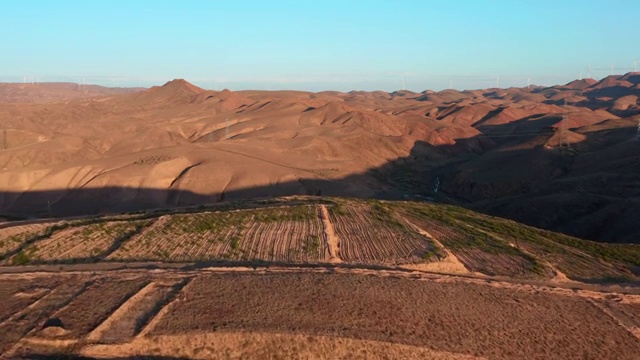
(459, 318)
(349, 314)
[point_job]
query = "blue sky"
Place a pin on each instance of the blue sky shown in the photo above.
(317, 45)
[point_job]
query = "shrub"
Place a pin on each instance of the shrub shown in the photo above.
(21, 258)
(235, 243)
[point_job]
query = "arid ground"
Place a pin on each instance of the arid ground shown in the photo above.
(309, 277)
(516, 153)
(324, 312)
(183, 223)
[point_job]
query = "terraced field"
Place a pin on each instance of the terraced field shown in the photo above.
(288, 234)
(287, 241)
(90, 308)
(23, 295)
(11, 238)
(291, 313)
(299, 231)
(372, 234)
(132, 316)
(79, 243)
(30, 319)
(300, 277)
(502, 247)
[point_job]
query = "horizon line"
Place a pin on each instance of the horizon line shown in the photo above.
(143, 82)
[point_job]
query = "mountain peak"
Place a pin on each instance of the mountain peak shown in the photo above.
(182, 85)
(580, 84)
(175, 91)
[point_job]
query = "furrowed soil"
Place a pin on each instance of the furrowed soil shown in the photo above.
(32, 317)
(459, 318)
(373, 235)
(12, 237)
(94, 305)
(80, 243)
(325, 312)
(502, 247)
(305, 230)
(127, 321)
(17, 295)
(288, 234)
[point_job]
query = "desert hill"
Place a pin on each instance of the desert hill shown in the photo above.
(51, 91)
(562, 158)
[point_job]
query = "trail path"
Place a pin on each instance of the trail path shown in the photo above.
(333, 242)
(558, 276)
(450, 264)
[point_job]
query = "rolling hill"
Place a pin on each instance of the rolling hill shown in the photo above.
(519, 153)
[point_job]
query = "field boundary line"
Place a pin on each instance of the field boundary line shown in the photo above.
(451, 258)
(173, 297)
(28, 307)
(51, 313)
(97, 333)
(126, 237)
(333, 242)
(632, 330)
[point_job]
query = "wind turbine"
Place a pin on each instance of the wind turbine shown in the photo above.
(589, 73)
(635, 65)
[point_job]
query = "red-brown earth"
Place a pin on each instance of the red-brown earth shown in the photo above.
(563, 157)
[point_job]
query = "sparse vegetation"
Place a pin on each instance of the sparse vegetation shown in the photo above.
(433, 253)
(312, 244)
(380, 212)
(553, 242)
(21, 258)
(240, 234)
(235, 243)
(463, 231)
(371, 231)
(337, 209)
(469, 236)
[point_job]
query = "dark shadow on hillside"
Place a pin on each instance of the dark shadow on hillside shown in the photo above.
(612, 92)
(583, 191)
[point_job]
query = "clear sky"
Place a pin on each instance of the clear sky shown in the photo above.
(317, 45)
